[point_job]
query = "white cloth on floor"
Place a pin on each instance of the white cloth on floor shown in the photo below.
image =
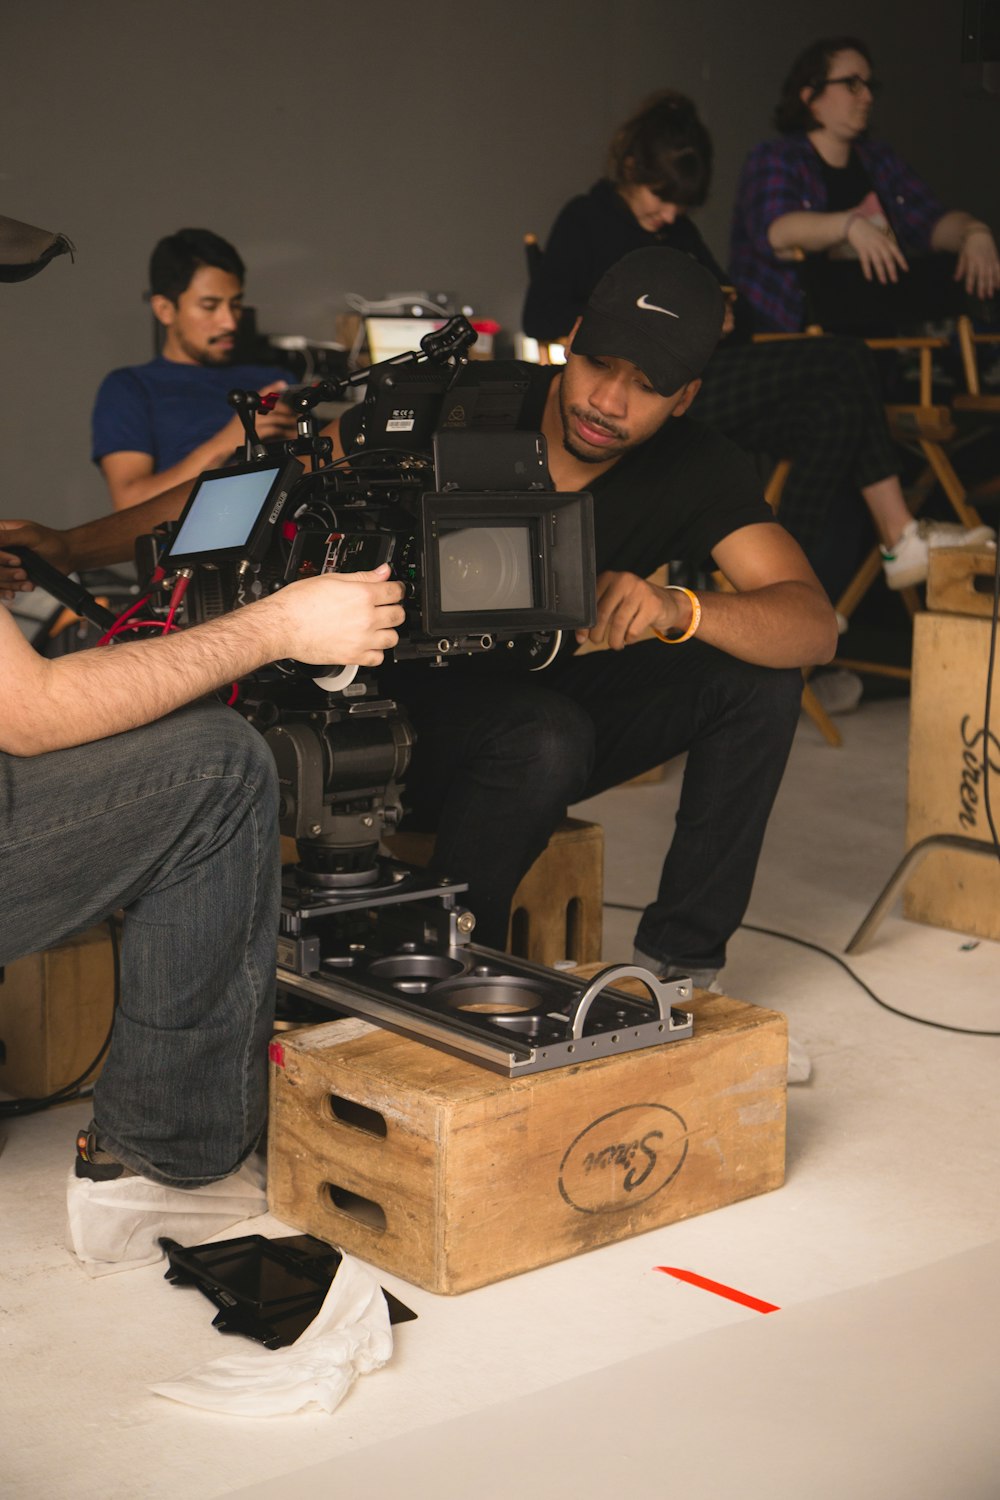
(116, 1225)
(349, 1336)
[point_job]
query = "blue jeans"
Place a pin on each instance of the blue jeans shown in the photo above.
(177, 823)
(499, 759)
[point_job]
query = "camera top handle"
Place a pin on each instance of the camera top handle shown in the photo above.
(450, 341)
(438, 346)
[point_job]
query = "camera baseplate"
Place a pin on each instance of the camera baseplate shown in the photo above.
(400, 957)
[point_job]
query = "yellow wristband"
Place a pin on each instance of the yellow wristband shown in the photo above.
(693, 623)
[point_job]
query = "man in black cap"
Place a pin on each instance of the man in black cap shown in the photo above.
(499, 758)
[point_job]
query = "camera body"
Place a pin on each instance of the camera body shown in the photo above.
(491, 558)
(480, 568)
(437, 480)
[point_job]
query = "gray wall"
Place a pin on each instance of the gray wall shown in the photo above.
(345, 147)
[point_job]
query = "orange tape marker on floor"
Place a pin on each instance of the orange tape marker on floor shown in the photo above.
(743, 1298)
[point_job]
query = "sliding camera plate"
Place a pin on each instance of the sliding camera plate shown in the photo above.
(401, 959)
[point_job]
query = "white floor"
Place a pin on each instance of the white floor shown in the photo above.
(890, 1207)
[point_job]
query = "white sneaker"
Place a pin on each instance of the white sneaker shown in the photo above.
(839, 692)
(799, 1063)
(905, 563)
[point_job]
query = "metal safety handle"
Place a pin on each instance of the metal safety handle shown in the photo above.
(660, 990)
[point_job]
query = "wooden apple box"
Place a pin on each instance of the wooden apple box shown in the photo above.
(55, 1011)
(960, 580)
(945, 794)
(453, 1177)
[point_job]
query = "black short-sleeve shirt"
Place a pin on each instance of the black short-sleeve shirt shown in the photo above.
(674, 497)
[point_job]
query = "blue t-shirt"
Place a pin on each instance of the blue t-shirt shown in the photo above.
(165, 409)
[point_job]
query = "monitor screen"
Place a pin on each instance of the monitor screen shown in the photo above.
(222, 512)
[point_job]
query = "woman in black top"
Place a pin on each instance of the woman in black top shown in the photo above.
(815, 401)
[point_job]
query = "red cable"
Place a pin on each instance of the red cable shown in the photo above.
(112, 630)
(180, 589)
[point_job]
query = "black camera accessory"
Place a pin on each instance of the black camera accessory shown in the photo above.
(489, 395)
(232, 513)
(466, 459)
(402, 405)
(73, 595)
(267, 1290)
(499, 562)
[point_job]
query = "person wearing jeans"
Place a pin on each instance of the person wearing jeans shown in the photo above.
(176, 822)
(500, 761)
(113, 795)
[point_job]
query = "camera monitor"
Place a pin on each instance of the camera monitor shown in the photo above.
(489, 395)
(510, 562)
(231, 513)
(465, 459)
(402, 403)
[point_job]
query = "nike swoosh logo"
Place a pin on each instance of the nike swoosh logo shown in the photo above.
(648, 306)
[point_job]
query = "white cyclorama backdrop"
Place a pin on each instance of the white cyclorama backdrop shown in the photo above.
(374, 148)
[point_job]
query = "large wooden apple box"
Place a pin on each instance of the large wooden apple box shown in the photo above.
(452, 1176)
(949, 739)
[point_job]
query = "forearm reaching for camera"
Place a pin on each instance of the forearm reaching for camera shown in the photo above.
(94, 544)
(779, 615)
(88, 695)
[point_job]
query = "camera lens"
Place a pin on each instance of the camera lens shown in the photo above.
(486, 568)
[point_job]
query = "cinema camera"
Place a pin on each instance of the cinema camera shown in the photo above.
(439, 482)
(483, 567)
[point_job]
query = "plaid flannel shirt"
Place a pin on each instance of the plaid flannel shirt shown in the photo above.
(783, 176)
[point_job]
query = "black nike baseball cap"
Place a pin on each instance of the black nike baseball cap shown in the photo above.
(660, 310)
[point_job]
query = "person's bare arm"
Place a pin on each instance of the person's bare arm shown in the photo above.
(94, 544)
(131, 477)
(880, 257)
(87, 695)
(779, 616)
(973, 242)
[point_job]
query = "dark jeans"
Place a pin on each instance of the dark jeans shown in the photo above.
(177, 823)
(499, 759)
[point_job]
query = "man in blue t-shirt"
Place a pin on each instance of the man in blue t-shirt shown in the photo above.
(158, 424)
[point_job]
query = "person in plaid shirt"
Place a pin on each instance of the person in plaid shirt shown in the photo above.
(824, 188)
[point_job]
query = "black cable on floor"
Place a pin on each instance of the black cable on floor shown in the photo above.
(787, 937)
